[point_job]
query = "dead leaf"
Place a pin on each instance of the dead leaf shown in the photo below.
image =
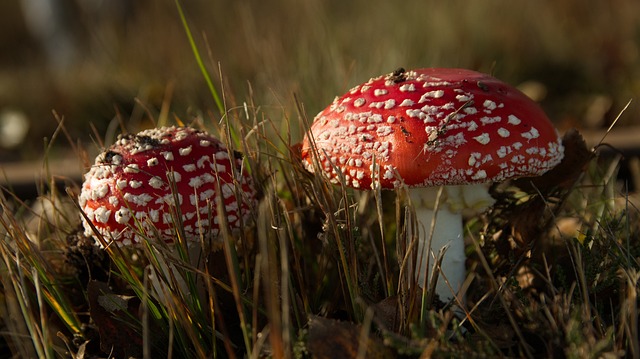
(332, 339)
(521, 224)
(387, 313)
(120, 334)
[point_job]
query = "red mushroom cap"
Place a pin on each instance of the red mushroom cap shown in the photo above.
(130, 185)
(432, 127)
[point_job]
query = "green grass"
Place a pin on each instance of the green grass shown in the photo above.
(315, 250)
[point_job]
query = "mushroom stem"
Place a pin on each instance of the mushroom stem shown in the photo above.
(444, 227)
(446, 235)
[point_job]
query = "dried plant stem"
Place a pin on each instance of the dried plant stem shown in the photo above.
(505, 305)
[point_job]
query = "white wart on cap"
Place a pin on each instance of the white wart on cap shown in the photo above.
(431, 127)
(136, 186)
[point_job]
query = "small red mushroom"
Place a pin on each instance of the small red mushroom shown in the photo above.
(129, 192)
(433, 127)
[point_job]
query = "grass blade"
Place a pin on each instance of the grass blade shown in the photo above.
(196, 54)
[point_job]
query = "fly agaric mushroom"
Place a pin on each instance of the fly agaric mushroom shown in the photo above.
(129, 192)
(427, 128)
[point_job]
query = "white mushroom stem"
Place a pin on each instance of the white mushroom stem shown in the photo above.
(447, 235)
(445, 232)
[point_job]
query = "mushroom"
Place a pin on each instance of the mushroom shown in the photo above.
(428, 128)
(140, 185)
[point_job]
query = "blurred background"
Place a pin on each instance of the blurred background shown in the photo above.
(92, 61)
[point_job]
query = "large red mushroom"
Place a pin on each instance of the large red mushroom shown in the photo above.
(428, 128)
(139, 186)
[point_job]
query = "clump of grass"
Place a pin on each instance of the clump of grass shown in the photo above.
(33, 277)
(315, 251)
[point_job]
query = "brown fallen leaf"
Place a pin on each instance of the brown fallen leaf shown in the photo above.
(518, 224)
(120, 335)
(333, 339)
(387, 313)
